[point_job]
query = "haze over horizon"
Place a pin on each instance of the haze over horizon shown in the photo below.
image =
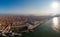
(30, 7)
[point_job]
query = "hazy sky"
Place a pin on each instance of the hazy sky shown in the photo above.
(30, 7)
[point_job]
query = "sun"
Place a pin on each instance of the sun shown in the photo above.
(55, 5)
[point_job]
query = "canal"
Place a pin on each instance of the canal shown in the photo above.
(50, 28)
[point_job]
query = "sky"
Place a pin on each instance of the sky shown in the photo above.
(30, 7)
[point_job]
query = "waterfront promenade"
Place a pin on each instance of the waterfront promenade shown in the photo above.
(51, 28)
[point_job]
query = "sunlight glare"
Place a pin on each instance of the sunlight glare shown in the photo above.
(55, 25)
(55, 5)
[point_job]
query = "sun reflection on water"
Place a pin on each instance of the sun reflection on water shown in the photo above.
(55, 24)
